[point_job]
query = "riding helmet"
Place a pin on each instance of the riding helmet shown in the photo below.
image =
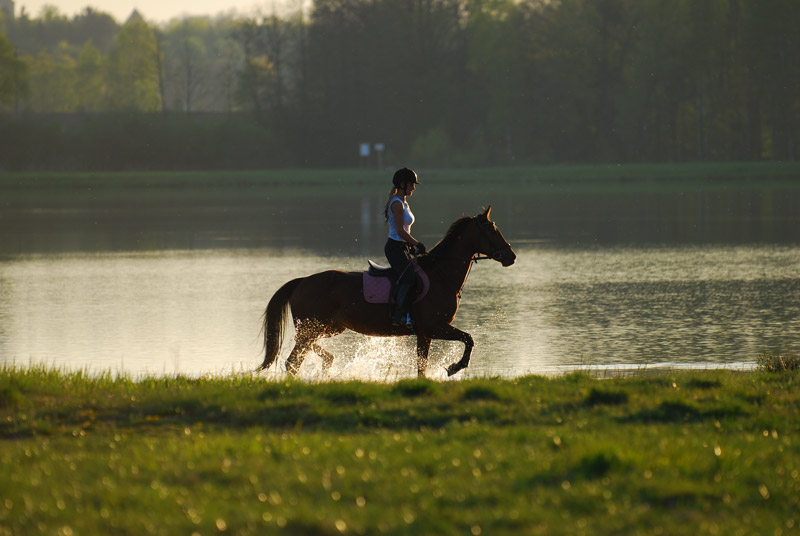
(404, 175)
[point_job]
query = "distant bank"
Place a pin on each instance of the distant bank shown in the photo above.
(567, 175)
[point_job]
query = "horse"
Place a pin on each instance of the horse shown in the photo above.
(327, 303)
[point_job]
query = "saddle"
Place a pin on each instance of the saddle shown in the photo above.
(378, 281)
(379, 271)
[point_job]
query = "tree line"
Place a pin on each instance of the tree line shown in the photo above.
(91, 63)
(439, 82)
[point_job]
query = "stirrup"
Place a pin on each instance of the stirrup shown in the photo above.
(397, 321)
(406, 322)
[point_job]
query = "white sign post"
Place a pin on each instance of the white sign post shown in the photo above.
(363, 151)
(379, 147)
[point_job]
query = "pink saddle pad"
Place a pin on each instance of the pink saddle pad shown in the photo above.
(377, 289)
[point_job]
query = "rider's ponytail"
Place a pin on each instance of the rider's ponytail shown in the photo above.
(392, 193)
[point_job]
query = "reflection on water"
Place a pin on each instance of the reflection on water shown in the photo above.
(347, 223)
(197, 311)
(647, 305)
(175, 280)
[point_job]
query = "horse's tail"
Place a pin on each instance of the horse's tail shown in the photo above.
(275, 322)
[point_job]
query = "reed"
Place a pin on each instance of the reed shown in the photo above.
(777, 362)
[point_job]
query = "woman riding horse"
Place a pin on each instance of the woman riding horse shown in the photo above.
(327, 303)
(400, 245)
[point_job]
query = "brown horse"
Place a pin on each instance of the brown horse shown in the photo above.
(328, 303)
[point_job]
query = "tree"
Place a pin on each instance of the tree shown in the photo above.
(188, 63)
(133, 69)
(269, 69)
(53, 27)
(52, 82)
(90, 83)
(13, 74)
(47, 32)
(497, 94)
(772, 76)
(270, 81)
(385, 70)
(227, 65)
(96, 26)
(202, 61)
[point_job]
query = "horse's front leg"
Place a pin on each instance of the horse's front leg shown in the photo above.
(423, 345)
(450, 333)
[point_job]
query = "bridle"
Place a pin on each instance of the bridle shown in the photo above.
(498, 253)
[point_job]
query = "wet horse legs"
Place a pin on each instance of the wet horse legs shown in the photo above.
(306, 336)
(423, 345)
(297, 356)
(306, 339)
(450, 333)
(327, 357)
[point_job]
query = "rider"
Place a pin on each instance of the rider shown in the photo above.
(401, 245)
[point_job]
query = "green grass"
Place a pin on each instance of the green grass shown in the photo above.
(530, 176)
(710, 452)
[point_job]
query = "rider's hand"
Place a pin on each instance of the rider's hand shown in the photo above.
(420, 248)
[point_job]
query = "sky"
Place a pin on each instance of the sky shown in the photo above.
(151, 10)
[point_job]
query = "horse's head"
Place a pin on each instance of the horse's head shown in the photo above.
(491, 241)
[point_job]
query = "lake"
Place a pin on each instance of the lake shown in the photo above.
(174, 280)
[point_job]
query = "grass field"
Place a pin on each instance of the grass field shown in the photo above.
(707, 452)
(564, 174)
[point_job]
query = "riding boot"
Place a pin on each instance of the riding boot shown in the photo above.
(400, 314)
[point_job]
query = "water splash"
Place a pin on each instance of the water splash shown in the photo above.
(373, 359)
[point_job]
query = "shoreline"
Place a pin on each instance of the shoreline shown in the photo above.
(709, 173)
(600, 371)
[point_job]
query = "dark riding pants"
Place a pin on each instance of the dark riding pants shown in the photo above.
(399, 256)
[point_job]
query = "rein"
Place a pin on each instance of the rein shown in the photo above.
(496, 255)
(474, 260)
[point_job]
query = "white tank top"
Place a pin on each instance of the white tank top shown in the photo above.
(408, 219)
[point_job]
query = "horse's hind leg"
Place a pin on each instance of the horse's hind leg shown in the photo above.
(327, 357)
(305, 338)
(297, 356)
(423, 346)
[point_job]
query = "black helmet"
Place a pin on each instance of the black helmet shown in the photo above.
(404, 175)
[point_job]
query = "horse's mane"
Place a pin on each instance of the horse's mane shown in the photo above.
(455, 230)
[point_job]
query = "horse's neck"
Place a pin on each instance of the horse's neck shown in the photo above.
(455, 262)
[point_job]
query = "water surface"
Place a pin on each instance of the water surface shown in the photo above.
(165, 282)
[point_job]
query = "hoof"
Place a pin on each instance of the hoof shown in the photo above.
(454, 368)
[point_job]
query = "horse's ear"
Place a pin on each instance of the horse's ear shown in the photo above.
(488, 213)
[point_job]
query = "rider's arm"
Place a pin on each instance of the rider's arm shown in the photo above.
(397, 211)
